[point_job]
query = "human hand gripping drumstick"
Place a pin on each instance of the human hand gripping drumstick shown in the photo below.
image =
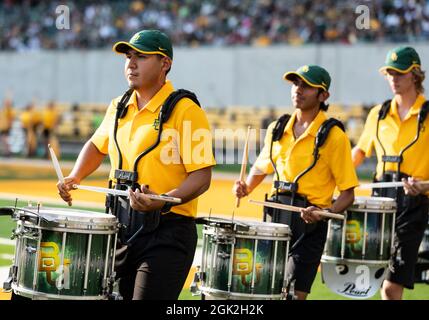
(105, 190)
(125, 193)
(244, 163)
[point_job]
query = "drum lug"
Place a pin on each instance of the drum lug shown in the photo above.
(7, 285)
(108, 288)
(198, 277)
(288, 290)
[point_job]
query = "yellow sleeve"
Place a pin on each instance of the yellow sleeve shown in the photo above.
(263, 162)
(100, 138)
(366, 140)
(196, 147)
(339, 158)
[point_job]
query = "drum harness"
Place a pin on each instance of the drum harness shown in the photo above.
(387, 176)
(292, 187)
(132, 222)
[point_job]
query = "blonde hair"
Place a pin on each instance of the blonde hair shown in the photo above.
(419, 76)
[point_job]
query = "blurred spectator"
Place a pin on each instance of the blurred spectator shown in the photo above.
(30, 120)
(75, 110)
(7, 115)
(50, 120)
(31, 24)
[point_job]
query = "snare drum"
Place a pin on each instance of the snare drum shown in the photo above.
(63, 253)
(358, 248)
(257, 269)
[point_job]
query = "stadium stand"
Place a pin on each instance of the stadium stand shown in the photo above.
(30, 24)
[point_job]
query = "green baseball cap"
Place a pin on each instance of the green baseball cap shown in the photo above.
(148, 42)
(313, 75)
(402, 59)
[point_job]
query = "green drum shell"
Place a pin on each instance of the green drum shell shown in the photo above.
(42, 244)
(218, 243)
(345, 239)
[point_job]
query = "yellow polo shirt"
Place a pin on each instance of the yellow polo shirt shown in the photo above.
(395, 135)
(50, 118)
(186, 143)
(292, 156)
(29, 118)
(7, 115)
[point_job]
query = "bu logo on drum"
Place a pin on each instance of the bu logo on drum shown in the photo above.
(50, 262)
(243, 265)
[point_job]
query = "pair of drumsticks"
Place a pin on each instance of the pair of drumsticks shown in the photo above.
(105, 190)
(273, 204)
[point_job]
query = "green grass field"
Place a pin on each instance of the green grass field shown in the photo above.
(319, 290)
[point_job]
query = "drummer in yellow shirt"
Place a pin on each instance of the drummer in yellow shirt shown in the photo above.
(304, 176)
(30, 120)
(397, 131)
(151, 152)
(7, 115)
(50, 120)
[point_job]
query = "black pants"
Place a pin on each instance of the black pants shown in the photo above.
(156, 264)
(410, 224)
(306, 246)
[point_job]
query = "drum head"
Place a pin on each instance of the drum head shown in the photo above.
(374, 203)
(71, 218)
(354, 280)
(248, 227)
(266, 228)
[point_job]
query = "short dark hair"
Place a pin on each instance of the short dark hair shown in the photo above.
(323, 105)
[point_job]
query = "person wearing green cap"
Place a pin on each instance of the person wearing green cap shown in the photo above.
(396, 130)
(306, 175)
(148, 134)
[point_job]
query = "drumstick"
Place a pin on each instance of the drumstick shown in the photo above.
(243, 163)
(296, 209)
(124, 193)
(387, 184)
(56, 164)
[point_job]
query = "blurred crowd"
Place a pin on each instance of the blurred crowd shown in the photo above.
(31, 24)
(37, 126)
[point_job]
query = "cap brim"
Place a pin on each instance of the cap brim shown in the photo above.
(384, 68)
(122, 47)
(290, 75)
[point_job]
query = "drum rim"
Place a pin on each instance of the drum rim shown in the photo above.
(51, 218)
(226, 294)
(333, 259)
(255, 227)
(28, 293)
(381, 201)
